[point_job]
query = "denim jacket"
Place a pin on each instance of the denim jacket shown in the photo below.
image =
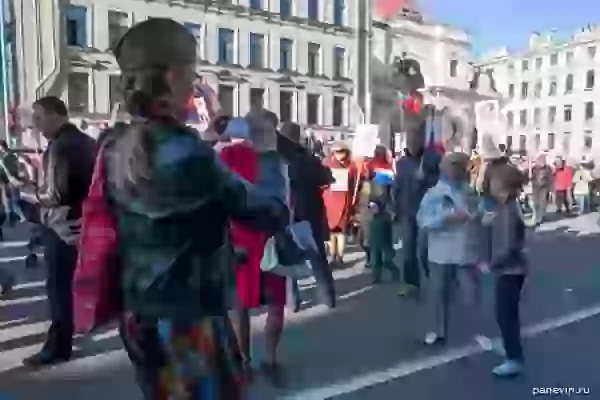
(451, 243)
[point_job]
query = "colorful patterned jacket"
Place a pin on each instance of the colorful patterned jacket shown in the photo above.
(173, 231)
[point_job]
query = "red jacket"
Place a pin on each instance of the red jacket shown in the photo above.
(242, 159)
(563, 178)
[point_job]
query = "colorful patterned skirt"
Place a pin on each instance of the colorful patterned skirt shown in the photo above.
(179, 361)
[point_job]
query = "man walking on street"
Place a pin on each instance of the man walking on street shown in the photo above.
(67, 165)
(541, 185)
(416, 172)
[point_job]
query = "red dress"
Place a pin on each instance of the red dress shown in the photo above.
(253, 286)
(340, 203)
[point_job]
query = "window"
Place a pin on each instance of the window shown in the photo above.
(76, 26)
(286, 47)
(226, 43)
(257, 54)
(285, 8)
(78, 92)
(114, 90)
(525, 65)
(569, 84)
(551, 115)
(554, 59)
(537, 116)
(313, 10)
(590, 79)
(588, 140)
(339, 10)
(314, 59)
(339, 62)
(568, 113)
(257, 96)
(522, 142)
(566, 142)
(569, 57)
(285, 106)
(510, 120)
(538, 63)
(313, 102)
(226, 98)
(524, 89)
(537, 89)
(553, 87)
(592, 52)
(196, 31)
(509, 142)
(523, 118)
(453, 68)
(118, 24)
(537, 141)
(256, 4)
(589, 110)
(511, 90)
(338, 111)
(551, 141)
(510, 67)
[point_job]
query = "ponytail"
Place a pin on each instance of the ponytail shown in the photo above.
(142, 92)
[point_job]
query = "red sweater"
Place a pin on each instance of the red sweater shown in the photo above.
(563, 178)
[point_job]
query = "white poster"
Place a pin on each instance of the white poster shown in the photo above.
(365, 140)
(341, 176)
(488, 118)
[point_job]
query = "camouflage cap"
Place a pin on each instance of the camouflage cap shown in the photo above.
(155, 42)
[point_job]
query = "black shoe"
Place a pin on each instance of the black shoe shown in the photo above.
(7, 286)
(31, 261)
(44, 358)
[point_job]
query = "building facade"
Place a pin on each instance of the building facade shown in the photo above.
(550, 94)
(297, 57)
(451, 84)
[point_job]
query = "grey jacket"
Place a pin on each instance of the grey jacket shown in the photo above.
(507, 236)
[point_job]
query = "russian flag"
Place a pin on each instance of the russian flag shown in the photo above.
(383, 176)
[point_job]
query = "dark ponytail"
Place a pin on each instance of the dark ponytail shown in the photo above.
(142, 93)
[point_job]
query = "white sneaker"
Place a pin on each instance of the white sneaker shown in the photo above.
(484, 342)
(431, 338)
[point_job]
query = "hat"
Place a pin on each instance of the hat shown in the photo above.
(291, 131)
(155, 42)
(489, 150)
(339, 146)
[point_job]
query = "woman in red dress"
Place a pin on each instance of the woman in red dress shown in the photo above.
(340, 199)
(254, 287)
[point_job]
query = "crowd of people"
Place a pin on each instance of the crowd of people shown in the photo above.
(179, 204)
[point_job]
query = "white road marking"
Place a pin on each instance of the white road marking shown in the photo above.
(406, 368)
(8, 245)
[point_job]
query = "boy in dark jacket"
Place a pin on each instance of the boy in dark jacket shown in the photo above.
(381, 242)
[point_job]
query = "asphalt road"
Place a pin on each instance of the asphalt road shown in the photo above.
(369, 347)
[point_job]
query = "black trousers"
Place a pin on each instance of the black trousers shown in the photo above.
(60, 259)
(508, 297)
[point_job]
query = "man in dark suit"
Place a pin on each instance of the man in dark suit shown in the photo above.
(67, 164)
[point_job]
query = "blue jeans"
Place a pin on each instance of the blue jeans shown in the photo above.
(583, 203)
